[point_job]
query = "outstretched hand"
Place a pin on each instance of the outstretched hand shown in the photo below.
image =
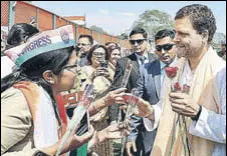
(115, 97)
(141, 107)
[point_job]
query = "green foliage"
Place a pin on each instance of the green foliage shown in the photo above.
(123, 36)
(98, 29)
(153, 21)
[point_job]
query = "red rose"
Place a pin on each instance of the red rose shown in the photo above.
(171, 72)
(177, 87)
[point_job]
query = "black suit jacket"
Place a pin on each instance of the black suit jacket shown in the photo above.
(149, 88)
(119, 73)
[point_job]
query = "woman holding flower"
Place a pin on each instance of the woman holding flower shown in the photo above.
(30, 121)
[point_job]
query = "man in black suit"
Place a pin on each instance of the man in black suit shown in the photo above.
(139, 43)
(140, 55)
(149, 88)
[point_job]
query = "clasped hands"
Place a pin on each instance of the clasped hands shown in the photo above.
(100, 71)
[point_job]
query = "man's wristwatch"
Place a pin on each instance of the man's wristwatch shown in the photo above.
(198, 114)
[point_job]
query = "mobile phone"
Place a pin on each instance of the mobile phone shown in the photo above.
(104, 64)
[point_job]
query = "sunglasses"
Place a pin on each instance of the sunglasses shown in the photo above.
(165, 47)
(139, 42)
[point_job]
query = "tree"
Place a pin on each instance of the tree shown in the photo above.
(153, 21)
(217, 40)
(98, 29)
(123, 36)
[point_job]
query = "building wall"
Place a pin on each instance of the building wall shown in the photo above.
(4, 13)
(46, 20)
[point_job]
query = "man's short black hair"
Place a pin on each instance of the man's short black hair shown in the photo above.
(164, 33)
(90, 38)
(201, 17)
(138, 30)
(20, 32)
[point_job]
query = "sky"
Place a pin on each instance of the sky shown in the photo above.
(117, 16)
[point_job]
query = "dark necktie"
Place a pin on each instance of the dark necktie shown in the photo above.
(142, 59)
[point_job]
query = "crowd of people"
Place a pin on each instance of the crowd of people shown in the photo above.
(177, 93)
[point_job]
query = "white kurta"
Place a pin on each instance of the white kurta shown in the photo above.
(210, 125)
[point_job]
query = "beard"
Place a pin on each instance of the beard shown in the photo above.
(191, 49)
(181, 52)
(186, 51)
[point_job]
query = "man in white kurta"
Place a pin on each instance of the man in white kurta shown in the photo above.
(204, 107)
(210, 125)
